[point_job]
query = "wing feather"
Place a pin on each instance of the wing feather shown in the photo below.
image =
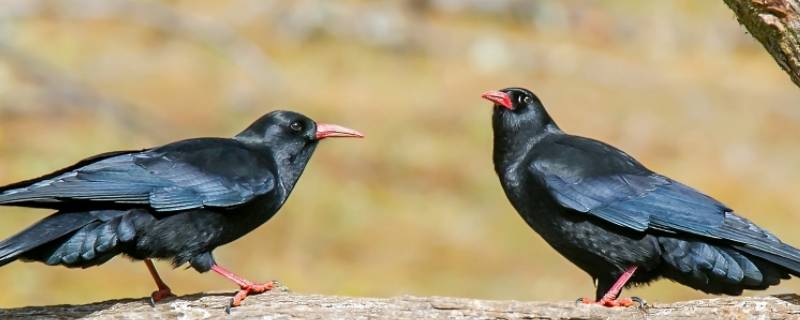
(186, 175)
(625, 193)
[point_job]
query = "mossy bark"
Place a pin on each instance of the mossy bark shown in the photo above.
(776, 24)
(289, 306)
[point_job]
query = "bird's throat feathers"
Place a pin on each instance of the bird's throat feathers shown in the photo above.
(290, 156)
(291, 163)
(517, 132)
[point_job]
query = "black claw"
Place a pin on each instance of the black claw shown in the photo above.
(152, 302)
(642, 303)
(578, 301)
(229, 307)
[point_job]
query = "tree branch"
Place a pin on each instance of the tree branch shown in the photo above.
(283, 305)
(776, 24)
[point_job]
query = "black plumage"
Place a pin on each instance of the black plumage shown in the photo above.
(614, 218)
(178, 201)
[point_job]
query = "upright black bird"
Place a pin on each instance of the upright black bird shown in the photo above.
(620, 222)
(179, 201)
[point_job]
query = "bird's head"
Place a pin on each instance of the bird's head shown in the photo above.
(518, 108)
(292, 132)
(291, 138)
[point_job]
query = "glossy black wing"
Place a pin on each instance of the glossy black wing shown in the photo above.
(591, 177)
(189, 174)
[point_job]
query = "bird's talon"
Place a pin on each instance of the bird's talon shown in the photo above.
(228, 307)
(159, 295)
(238, 298)
(642, 303)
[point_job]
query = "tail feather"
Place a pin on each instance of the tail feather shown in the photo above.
(790, 262)
(757, 242)
(721, 268)
(48, 229)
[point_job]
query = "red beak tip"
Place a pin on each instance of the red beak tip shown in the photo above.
(499, 98)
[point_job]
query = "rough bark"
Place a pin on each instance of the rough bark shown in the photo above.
(288, 306)
(776, 24)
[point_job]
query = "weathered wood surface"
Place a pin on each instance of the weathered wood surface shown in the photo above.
(289, 306)
(776, 24)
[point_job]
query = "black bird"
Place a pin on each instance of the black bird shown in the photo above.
(620, 222)
(179, 201)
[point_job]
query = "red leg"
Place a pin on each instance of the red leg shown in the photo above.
(610, 298)
(163, 291)
(246, 287)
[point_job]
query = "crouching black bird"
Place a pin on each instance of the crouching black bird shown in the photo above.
(620, 222)
(178, 201)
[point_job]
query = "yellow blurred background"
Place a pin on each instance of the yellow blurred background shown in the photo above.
(415, 208)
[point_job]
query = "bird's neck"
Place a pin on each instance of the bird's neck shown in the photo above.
(513, 142)
(291, 165)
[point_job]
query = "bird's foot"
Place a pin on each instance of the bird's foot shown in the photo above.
(160, 294)
(611, 303)
(248, 289)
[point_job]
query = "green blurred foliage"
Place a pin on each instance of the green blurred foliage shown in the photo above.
(415, 208)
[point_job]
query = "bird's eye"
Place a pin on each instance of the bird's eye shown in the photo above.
(527, 100)
(296, 126)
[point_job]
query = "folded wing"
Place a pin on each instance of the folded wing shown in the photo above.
(621, 191)
(185, 175)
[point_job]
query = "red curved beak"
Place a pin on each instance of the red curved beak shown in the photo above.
(499, 98)
(325, 130)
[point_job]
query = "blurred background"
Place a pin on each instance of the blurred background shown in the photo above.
(415, 208)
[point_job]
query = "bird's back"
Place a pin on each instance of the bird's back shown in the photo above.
(183, 175)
